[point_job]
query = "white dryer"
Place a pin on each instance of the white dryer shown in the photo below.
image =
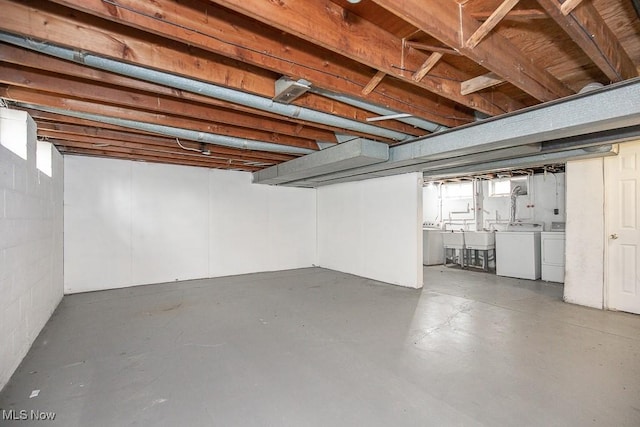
(553, 253)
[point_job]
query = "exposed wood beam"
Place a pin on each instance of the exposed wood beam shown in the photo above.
(274, 123)
(228, 114)
(375, 81)
(424, 69)
(165, 151)
(481, 82)
(367, 44)
(45, 116)
(66, 87)
(568, 6)
(56, 101)
(138, 155)
(27, 58)
(588, 30)
(48, 21)
(491, 22)
(199, 23)
(450, 25)
(431, 48)
(514, 15)
(70, 131)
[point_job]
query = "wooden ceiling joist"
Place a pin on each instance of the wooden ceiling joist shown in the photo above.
(481, 82)
(212, 67)
(26, 58)
(102, 94)
(97, 91)
(367, 44)
(588, 30)
(138, 155)
(568, 6)
(173, 151)
(449, 25)
(513, 15)
(54, 100)
(63, 131)
(211, 28)
(424, 69)
(491, 22)
(373, 83)
(49, 22)
(431, 48)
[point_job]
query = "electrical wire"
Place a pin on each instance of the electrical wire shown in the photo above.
(188, 148)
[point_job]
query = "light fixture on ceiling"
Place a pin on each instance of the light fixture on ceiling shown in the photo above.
(288, 90)
(354, 1)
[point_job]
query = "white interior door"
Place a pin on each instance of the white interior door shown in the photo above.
(622, 195)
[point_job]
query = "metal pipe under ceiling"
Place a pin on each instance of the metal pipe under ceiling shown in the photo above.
(192, 135)
(201, 88)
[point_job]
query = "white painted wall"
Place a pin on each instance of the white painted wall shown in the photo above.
(30, 248)
(373, 228)
(131, 223)
(537, 205)
(584, 246)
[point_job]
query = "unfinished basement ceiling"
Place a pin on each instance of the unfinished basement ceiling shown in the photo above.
(213, 67)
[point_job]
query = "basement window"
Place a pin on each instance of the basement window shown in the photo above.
(43, 157)
(503, 187)
(457, 191)
(13, 131)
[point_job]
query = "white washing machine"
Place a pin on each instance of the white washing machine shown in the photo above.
(432, 248)
(518, 251)
(553, 253)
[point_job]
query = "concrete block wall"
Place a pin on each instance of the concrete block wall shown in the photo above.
(31, 264)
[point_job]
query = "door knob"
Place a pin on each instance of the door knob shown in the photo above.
(613, 236)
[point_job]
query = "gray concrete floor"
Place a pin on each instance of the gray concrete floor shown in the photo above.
(321, 348)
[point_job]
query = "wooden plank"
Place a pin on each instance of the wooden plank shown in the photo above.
(424, 69)
(163, 151)
(590, 32)
(367, 43)
(70, 131)
(491, 22)
(141, 156)
(432, 48)
(48, 21)
(19, 56)
(481, 82)
(514, 15)
(568, 6)
(252, 128)
(55, 100)
(272, 123)
(375, 81)
(40, 116)
(446, 23)
(200, 23)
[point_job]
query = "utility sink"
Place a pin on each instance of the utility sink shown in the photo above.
(453, 239)
(480, 240)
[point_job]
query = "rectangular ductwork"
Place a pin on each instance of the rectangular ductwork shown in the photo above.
(555, 131)
(356, 153)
